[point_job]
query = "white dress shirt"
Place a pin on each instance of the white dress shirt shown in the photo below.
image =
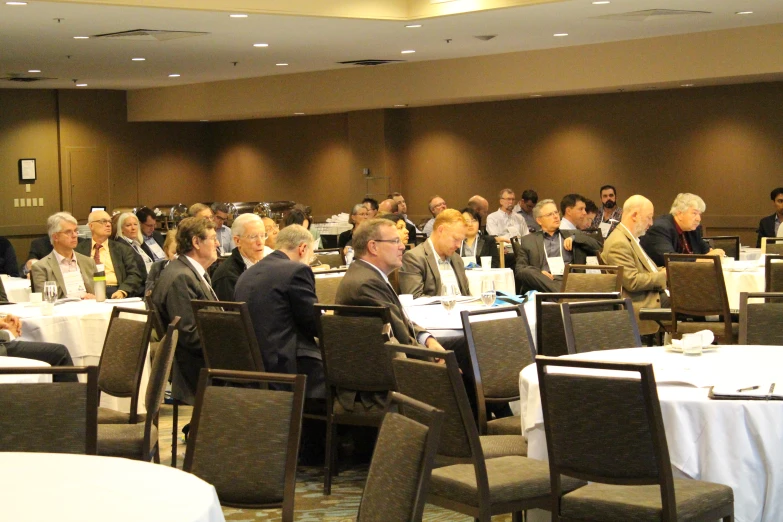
(506, 225)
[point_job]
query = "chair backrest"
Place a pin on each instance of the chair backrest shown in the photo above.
(396, 487)
(577, 279)
(58, 417)
(157, 322)
(250, 459)
(500, 345)
(772, 245)
(351, 339)
(550, 332)
(761, 322)
(326, 286)
(590, 326)
(159, 371)
(329, 256)
(773, 273)
(124, 354)
(729, 244)
(697, 288)
(416, 376)
(605, 429)
(227, 336)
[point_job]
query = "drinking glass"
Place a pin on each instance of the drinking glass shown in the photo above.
(49, 297)
(488, 293)
(448, 293)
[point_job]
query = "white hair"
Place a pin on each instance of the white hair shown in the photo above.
(120, 220)
(55, 222)
(685, 201)
(241, 222)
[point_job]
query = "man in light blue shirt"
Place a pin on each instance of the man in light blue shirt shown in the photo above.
(224, 237)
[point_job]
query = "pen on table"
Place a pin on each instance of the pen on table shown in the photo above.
(749, 388)
(771, 388)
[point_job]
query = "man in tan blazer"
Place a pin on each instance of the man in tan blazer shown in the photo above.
(426, 267)
(643, 281)
(61, 228)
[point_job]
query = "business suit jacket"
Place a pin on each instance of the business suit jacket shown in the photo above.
(640, 283)
(662, 238)
(224, 280)
(8, 263)
(40, 248)
(280, 295)
(177, 286)
(123, 257)
(531, 257)
(47, 269)
(485, 246)
(766, 229)
(420, 276)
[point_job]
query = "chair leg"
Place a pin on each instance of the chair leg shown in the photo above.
(517, 516)
(331, 442)
(156, 456)
(174, 432)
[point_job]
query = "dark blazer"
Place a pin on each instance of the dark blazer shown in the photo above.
(280, 295)
(420, 276)
(766, 229)
(531, 250)
(662, 238)
(123, 257)
(159, 239)
(40, 248)
(177, 286)
(486, 246)
(224, 280)
(362, 285)
(3, 295)
(8, 263)
(344, 238)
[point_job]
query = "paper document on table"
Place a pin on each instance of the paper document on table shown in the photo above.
(124, 300)
(66, 300)
(760, 391)
(436, 300)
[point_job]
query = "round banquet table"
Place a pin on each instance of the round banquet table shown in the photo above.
(78, 488)
(744, 276)
(17, 289)
(732, 442)
(503, 277)
(20, 362)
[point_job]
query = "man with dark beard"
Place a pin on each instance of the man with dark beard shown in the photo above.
(610, 215)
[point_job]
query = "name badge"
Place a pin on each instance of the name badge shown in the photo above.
(556, 266)
(74, 284)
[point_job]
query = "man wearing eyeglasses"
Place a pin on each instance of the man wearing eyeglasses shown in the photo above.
(542, 256)
(504, 223)
(249, 234)
(123, 278)
(72, 271)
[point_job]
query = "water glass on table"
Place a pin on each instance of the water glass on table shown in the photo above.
(49, 297)
(488, 293)
(448, 295)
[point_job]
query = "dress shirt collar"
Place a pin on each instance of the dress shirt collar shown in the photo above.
(60, 258)
(566, 225)
(384, 276)
(196, 266)
(432, 246)
(248, 262)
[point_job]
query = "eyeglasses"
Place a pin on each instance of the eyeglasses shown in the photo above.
(210, 238)
(508, 199)
(101, 221)
(256, 237)
(555, 213)
(395, 241)
(69, 232)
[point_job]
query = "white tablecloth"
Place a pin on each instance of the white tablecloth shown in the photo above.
(19, 362)
(736, 443)
(749, 253)
(435, 317)
(17, 289)
(503, 277)
(77, 488)
(742, 281)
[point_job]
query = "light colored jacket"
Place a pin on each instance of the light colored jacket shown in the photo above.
(47, 269)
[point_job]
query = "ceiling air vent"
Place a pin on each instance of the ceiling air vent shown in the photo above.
(650, 14)
(24, 79)
(369, 62)
(485, 37)
(150, 35)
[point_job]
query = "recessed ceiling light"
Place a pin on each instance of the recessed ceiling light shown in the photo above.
(261, 45)
(744, 12)
(16, 3)
(409, 51)
(400, 104)
(687, 85)
(173, 75)
(560, 34)
(601, 2)
(81, 37)
(138, 59)
(81, 85)
(238, 15)
(34, 70)
(203, 120)
(535, 95)
(281, 64)
(413, 26)
(298, 114)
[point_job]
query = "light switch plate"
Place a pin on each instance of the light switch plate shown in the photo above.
(21, 202)
(16, 202)
(29, 202)
(40, 202)
(27, 188)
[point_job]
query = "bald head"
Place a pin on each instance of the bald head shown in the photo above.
(480, 205)
(638, 212)
(387, 206)
(100, 225)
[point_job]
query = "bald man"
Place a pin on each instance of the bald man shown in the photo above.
(643, 281)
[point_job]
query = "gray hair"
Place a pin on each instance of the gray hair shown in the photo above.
(540, 205)
(120, 220)
(356, 208)
(242, 221)
(366, 232)
(685, 201)
(54, 223)
(292, 236)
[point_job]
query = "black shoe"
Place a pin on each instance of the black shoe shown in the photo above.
(185, 431)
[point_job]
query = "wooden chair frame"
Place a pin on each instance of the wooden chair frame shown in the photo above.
(768, 260)
(557, 297)
(585, 306)
(330, 252)
(609, 269)
(733, 239)
(769, 240)
(205, 308)
(743, 315)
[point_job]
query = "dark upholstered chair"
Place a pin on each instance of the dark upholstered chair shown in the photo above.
(577, 279)
(326, 287)
(591, 326)
(550, 333)
(399, 475)
(477, 486)
(773, 273)
(772, 245)
(500, 346)
(356, 369)
(329, 256)
(157, 322)
(140, 441)
(729, 244)
(59, 417)
(761, 323)
(122, 362)
(609, 431)
(244, 441)
(697, 289)
(228, 340)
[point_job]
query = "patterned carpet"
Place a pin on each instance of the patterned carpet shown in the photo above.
(311, 505)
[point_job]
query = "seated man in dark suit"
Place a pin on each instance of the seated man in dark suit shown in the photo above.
(768, 226)
(123, 277)
(248, 234)
(8, 263)
(436, 261)
(542, 256)
(183, 280)
(152, 238)
(678, 232)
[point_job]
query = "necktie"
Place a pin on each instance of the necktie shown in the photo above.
(97, 255)
(209, 284)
